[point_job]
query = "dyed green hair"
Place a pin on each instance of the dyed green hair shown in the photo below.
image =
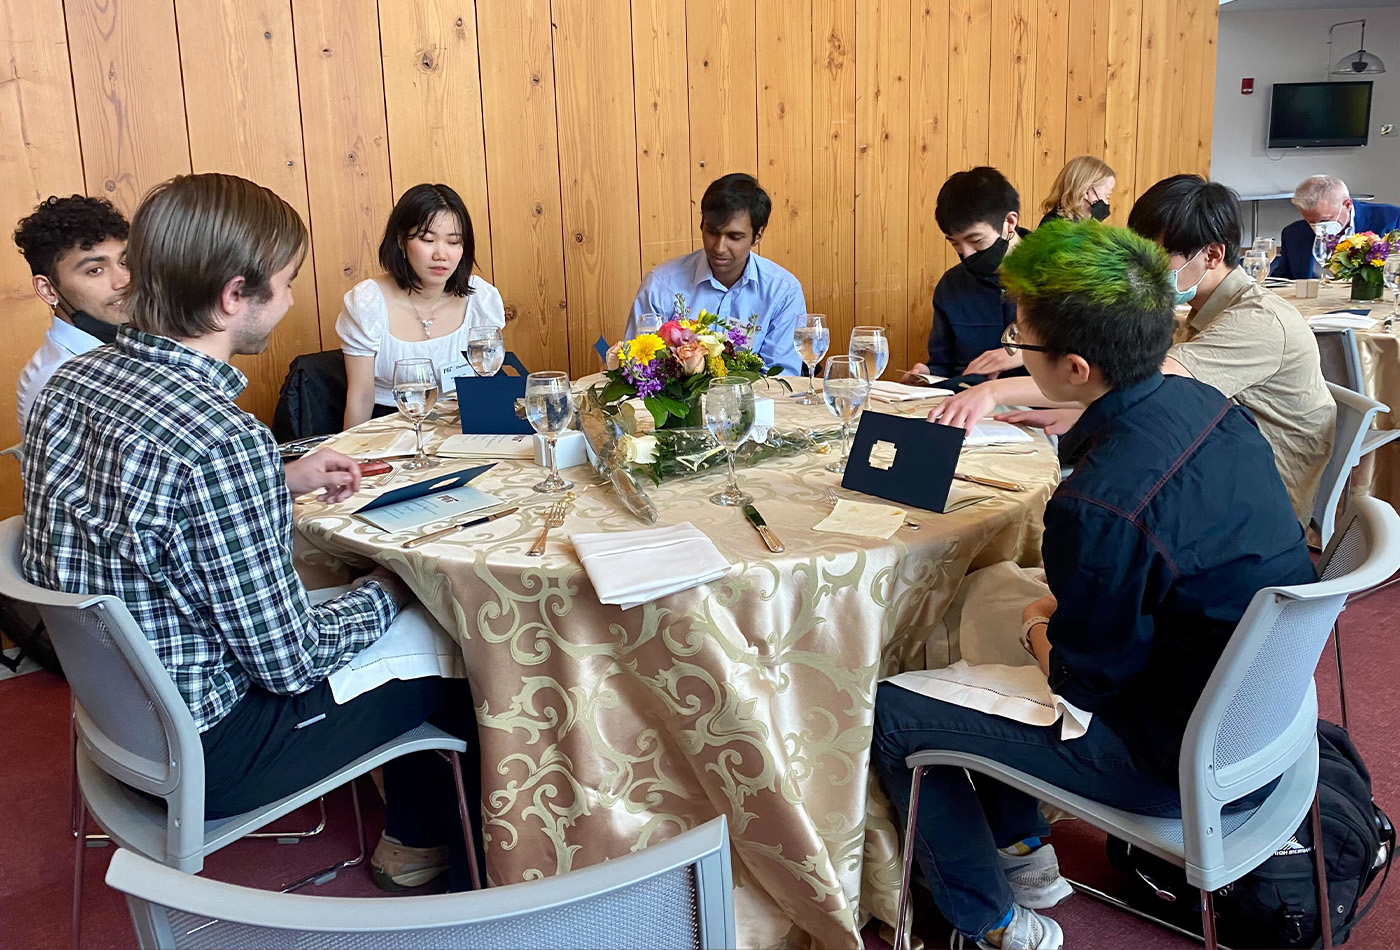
(1100, 292)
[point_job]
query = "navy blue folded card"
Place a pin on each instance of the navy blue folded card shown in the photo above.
(601, 348)
(445, 482)
(487, 403)
(903, 459)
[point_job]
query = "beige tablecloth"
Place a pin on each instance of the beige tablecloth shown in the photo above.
(605, 730)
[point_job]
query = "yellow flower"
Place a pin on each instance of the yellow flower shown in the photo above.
(717, 367)
(643, 348)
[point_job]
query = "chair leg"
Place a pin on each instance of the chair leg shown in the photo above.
(1324, 900)
(1208, 919)
(325, 875)
(902, 928)
(79, 854)
(1341, 677)
(465, 814)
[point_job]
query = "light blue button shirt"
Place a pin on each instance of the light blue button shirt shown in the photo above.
(764, 290)
(63, 342)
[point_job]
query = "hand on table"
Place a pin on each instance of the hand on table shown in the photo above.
(965, 409)
(912, 376)
(1053, 421)
(993, 362)
(336, 476)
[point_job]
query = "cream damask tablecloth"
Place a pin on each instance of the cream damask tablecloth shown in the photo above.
(605, 730)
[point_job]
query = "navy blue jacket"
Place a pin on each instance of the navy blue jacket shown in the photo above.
(969, 315)
(1174, 517)
(1295, 260)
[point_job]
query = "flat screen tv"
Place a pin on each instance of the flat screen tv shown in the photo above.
(1319, 114)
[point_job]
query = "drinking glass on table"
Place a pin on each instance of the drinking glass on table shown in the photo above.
(416, 392)
(486, 350)
(1269, 246)
(729, 412)
(812, 337)
(1390, 273)
(649, 323)
(871, 344)
(549, 408)
(1256, 265)
(845, 387)
(1320, 252)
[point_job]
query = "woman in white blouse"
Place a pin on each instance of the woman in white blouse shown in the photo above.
(423, 304)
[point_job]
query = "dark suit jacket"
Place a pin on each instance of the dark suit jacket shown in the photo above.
(1295, 260)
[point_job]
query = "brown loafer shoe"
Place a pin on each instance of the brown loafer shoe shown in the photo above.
(397, 867)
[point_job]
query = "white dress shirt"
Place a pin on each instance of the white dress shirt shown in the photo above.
(63, 342)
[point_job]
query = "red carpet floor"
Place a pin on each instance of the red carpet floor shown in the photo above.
(36, 848)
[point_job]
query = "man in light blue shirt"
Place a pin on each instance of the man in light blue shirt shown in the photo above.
(726, 278)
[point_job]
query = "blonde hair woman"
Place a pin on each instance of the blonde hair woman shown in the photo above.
(1082, 190)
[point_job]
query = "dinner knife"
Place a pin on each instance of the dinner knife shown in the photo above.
(458, 527)
(764, 532)
(993, 482)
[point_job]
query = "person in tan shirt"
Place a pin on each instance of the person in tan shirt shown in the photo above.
(1242, 339)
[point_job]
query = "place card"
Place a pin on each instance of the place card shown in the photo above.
(914, 463)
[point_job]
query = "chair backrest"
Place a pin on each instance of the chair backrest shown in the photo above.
(675, 894)
(1341, 358)
(129, 716)
(1355, 413)
(1258, 712)
(312, 399)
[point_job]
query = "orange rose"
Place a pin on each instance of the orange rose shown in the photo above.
(692, 357)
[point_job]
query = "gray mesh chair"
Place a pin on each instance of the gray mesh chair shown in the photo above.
(140, 764)
(1256, 721)
(675, 894)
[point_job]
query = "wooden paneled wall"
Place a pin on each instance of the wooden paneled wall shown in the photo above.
(582, 134)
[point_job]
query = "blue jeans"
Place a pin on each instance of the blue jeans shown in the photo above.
(961, 824)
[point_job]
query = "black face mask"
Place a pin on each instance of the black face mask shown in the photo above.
(1098, 209)
(106, 332)
(986, 261)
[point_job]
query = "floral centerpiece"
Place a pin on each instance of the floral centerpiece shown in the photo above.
(1359, 258)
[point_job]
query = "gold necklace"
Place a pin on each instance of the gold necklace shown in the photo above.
(427, 322)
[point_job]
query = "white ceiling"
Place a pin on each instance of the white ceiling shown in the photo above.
(1247, 6)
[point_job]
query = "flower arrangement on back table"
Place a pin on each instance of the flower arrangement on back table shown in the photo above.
(1360, 258)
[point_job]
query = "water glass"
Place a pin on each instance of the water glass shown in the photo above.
(1319, 253)
(729, 413)
(416, 392)
(871, 344)
(1256, 265)
(812, 337)
(845, 387)
(1390, 273)
(1269, 246)
(649, 323)
(549, 408)
(486, 350)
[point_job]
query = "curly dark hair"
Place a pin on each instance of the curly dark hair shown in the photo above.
(60, 224)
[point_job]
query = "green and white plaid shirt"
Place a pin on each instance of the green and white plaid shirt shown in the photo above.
(143, 479)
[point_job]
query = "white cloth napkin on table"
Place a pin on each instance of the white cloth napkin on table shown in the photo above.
(889, 391)
(629, 568)
(992, 432)
(1342, 321)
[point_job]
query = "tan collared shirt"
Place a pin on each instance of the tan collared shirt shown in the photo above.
(1257, 349)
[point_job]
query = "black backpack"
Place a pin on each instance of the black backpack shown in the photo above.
(1275, 905)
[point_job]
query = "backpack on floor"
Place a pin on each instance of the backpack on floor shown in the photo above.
(20, 622)
(1275, 905)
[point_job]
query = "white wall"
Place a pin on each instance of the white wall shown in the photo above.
(1290, 46)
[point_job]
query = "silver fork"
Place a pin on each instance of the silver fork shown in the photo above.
(832, 499)
(553, 518)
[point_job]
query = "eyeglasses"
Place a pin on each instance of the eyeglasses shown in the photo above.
(1011, 344)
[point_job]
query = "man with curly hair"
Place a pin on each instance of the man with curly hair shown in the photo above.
(76, 250)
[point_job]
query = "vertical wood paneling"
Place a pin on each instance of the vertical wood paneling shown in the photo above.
(832, 290)
(969, 79)
(347, 155)
(597, 150)
(1204, 100)
(723, 93)
(662, 102)
(432, 94)
(127, 84)
(1011, 137)
(1156, 94)
(1086, 78)
(1120, 101)
(39, 156)
(928, 168)
(1051, 79)
(785, 78)
(244, 119)
(882, 170)
(522, 174)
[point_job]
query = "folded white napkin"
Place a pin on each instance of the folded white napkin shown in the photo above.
(1018, 693)
(636, 567)
(991, 432)
(889, 391)
(862, 518)
(1342, 321)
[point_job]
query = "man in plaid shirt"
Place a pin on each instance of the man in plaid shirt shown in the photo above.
(143, 479)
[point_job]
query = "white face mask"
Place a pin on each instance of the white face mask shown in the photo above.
(1327, 228)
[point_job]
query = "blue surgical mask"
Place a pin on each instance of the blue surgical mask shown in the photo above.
(1185, 296)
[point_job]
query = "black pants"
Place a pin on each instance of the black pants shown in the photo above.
(270, 746)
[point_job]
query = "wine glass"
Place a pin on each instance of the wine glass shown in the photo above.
(549, 408)
(1269, 246)
(1256, 265)
(728, 408)
(812, 337)
(416, 392)
(1319, 252)
(845, 387)
(649, 323)
(1390, 273)
(871, 344)
(486, 350)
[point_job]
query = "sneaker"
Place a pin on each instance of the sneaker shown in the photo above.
(1035, 878)
(397, 867)
(1028, 931)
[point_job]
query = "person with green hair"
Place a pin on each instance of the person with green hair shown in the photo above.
(1173, 517)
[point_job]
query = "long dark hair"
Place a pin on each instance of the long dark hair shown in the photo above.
(412, 215)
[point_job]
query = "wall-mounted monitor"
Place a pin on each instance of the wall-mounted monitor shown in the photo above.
(1319, 114)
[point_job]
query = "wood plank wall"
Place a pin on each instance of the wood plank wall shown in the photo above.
(582, 134)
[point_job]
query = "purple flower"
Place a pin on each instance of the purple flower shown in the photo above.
(737, 339)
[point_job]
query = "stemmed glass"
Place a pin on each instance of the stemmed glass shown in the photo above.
(845, 387)
(549, 408)
(649, 323)
(729, 412)
(486, 350)
(1269, 246)
(812, 337)
(1390, 273)
(1256, 264)
(1319, 252)
(871, 344)
(416, 392)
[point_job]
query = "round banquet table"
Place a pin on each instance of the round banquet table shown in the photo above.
(604, 730)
